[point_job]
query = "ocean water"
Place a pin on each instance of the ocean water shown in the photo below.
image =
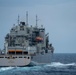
(62, 64)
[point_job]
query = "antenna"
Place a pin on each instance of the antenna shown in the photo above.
(26, 17)
(18, 19)
(36, 20)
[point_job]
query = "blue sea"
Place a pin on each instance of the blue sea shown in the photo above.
(61, 64)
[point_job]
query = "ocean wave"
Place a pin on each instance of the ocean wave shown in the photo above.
(59, 64)
(51, 67)
(5, 68)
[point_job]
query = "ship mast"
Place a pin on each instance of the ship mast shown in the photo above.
(36, 20)
(18, 19)
(26, 17)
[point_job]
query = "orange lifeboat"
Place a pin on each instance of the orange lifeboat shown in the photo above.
(39, 39)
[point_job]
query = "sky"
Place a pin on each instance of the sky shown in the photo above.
(57, 16)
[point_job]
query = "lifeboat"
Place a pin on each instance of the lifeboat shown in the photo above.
(15, 52)
(39, 39)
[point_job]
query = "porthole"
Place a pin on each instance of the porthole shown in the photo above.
(28, 57)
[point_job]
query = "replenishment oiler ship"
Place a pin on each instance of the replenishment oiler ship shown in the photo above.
(25, 43)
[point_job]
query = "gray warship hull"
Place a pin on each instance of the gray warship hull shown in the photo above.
(23, 41)
(42, 58)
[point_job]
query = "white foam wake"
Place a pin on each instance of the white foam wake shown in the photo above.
(5, 68)
(58, 64)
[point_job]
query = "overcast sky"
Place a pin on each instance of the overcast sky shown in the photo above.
(57, 16)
